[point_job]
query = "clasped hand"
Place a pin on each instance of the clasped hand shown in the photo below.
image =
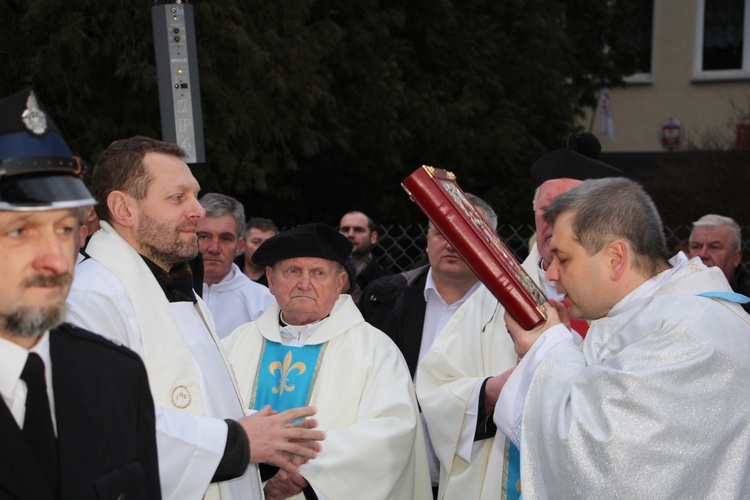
(524, 339)
(275, 440)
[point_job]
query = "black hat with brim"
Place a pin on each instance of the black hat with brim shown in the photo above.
(37, 169)
(307, 240)
(567, 164)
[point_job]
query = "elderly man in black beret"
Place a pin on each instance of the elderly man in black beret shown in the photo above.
(313, 347)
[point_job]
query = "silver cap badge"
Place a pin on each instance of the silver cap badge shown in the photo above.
(33, 117)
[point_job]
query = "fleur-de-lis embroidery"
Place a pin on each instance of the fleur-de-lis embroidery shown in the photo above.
(285, 370)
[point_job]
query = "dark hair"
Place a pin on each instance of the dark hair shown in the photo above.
(370, 223)
(264, 225)
(610, 209)
(120, 168)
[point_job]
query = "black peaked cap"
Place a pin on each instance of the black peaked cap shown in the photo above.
(37, 169)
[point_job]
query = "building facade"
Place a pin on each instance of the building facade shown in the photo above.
(695, 71)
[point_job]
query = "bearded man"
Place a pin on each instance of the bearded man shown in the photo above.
(76, 414)
(137, 289)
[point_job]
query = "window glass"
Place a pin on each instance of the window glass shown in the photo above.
(723, 34)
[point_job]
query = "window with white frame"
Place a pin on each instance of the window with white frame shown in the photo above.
(723, 39)
(642, 39)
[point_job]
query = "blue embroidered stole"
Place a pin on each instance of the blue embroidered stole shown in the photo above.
(286, 375)
(511, 470)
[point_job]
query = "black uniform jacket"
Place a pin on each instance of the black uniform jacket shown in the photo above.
(105, 426)
(395, 304)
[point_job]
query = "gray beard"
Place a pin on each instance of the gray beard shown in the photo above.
(32, 322)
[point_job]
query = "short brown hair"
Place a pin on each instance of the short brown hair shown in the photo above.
(120, 168)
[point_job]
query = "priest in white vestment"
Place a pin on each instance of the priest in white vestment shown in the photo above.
(233, 298)
(313, 347)
(136, 289)
(655, 402)
(456, 386)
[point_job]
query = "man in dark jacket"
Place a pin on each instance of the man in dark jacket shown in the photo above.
(77, 417)
(362, 267)
(412, 307)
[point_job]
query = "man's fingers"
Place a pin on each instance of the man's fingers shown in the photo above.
(263, 412)
(304, 434)
(313, 445)
(298, 480)
(295, 413)
(562, 312)
(271, 435)
(308, 423)
(524, 339)
(283, 462)
(510, 323)
(284, 485)
(304, 451)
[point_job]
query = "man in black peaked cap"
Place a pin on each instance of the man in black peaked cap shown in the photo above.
(77, 418)
(313, 346)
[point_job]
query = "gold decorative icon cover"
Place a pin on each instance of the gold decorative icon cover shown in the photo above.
(438, 195)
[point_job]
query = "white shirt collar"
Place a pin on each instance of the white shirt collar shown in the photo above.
(13, 359)
(297, 335)
(430, 286)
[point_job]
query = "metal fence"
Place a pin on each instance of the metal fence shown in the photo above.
(402, 247)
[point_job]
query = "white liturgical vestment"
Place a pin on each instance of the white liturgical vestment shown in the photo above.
(363, 393)
(653, 404)
(473, 345)
(115, 294)
(235, 300)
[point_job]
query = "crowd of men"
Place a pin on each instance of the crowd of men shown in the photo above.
(158, 346)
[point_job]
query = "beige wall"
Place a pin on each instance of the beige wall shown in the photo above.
(702, 106)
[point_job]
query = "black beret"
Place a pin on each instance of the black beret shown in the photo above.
(307, 240)
(37, 170)
(585, 143)
(567, 164)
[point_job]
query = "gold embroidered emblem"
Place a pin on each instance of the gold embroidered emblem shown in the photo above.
(181, 397)
(285, 371)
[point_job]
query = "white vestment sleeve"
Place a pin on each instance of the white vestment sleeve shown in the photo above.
(189, 446)
(469, 424)
(509, 407)
(473, 345)
(107, 312)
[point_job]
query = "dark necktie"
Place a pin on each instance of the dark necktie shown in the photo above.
(37, 425)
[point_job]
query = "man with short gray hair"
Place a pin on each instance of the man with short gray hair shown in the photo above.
(232, 297)
(717, 240)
